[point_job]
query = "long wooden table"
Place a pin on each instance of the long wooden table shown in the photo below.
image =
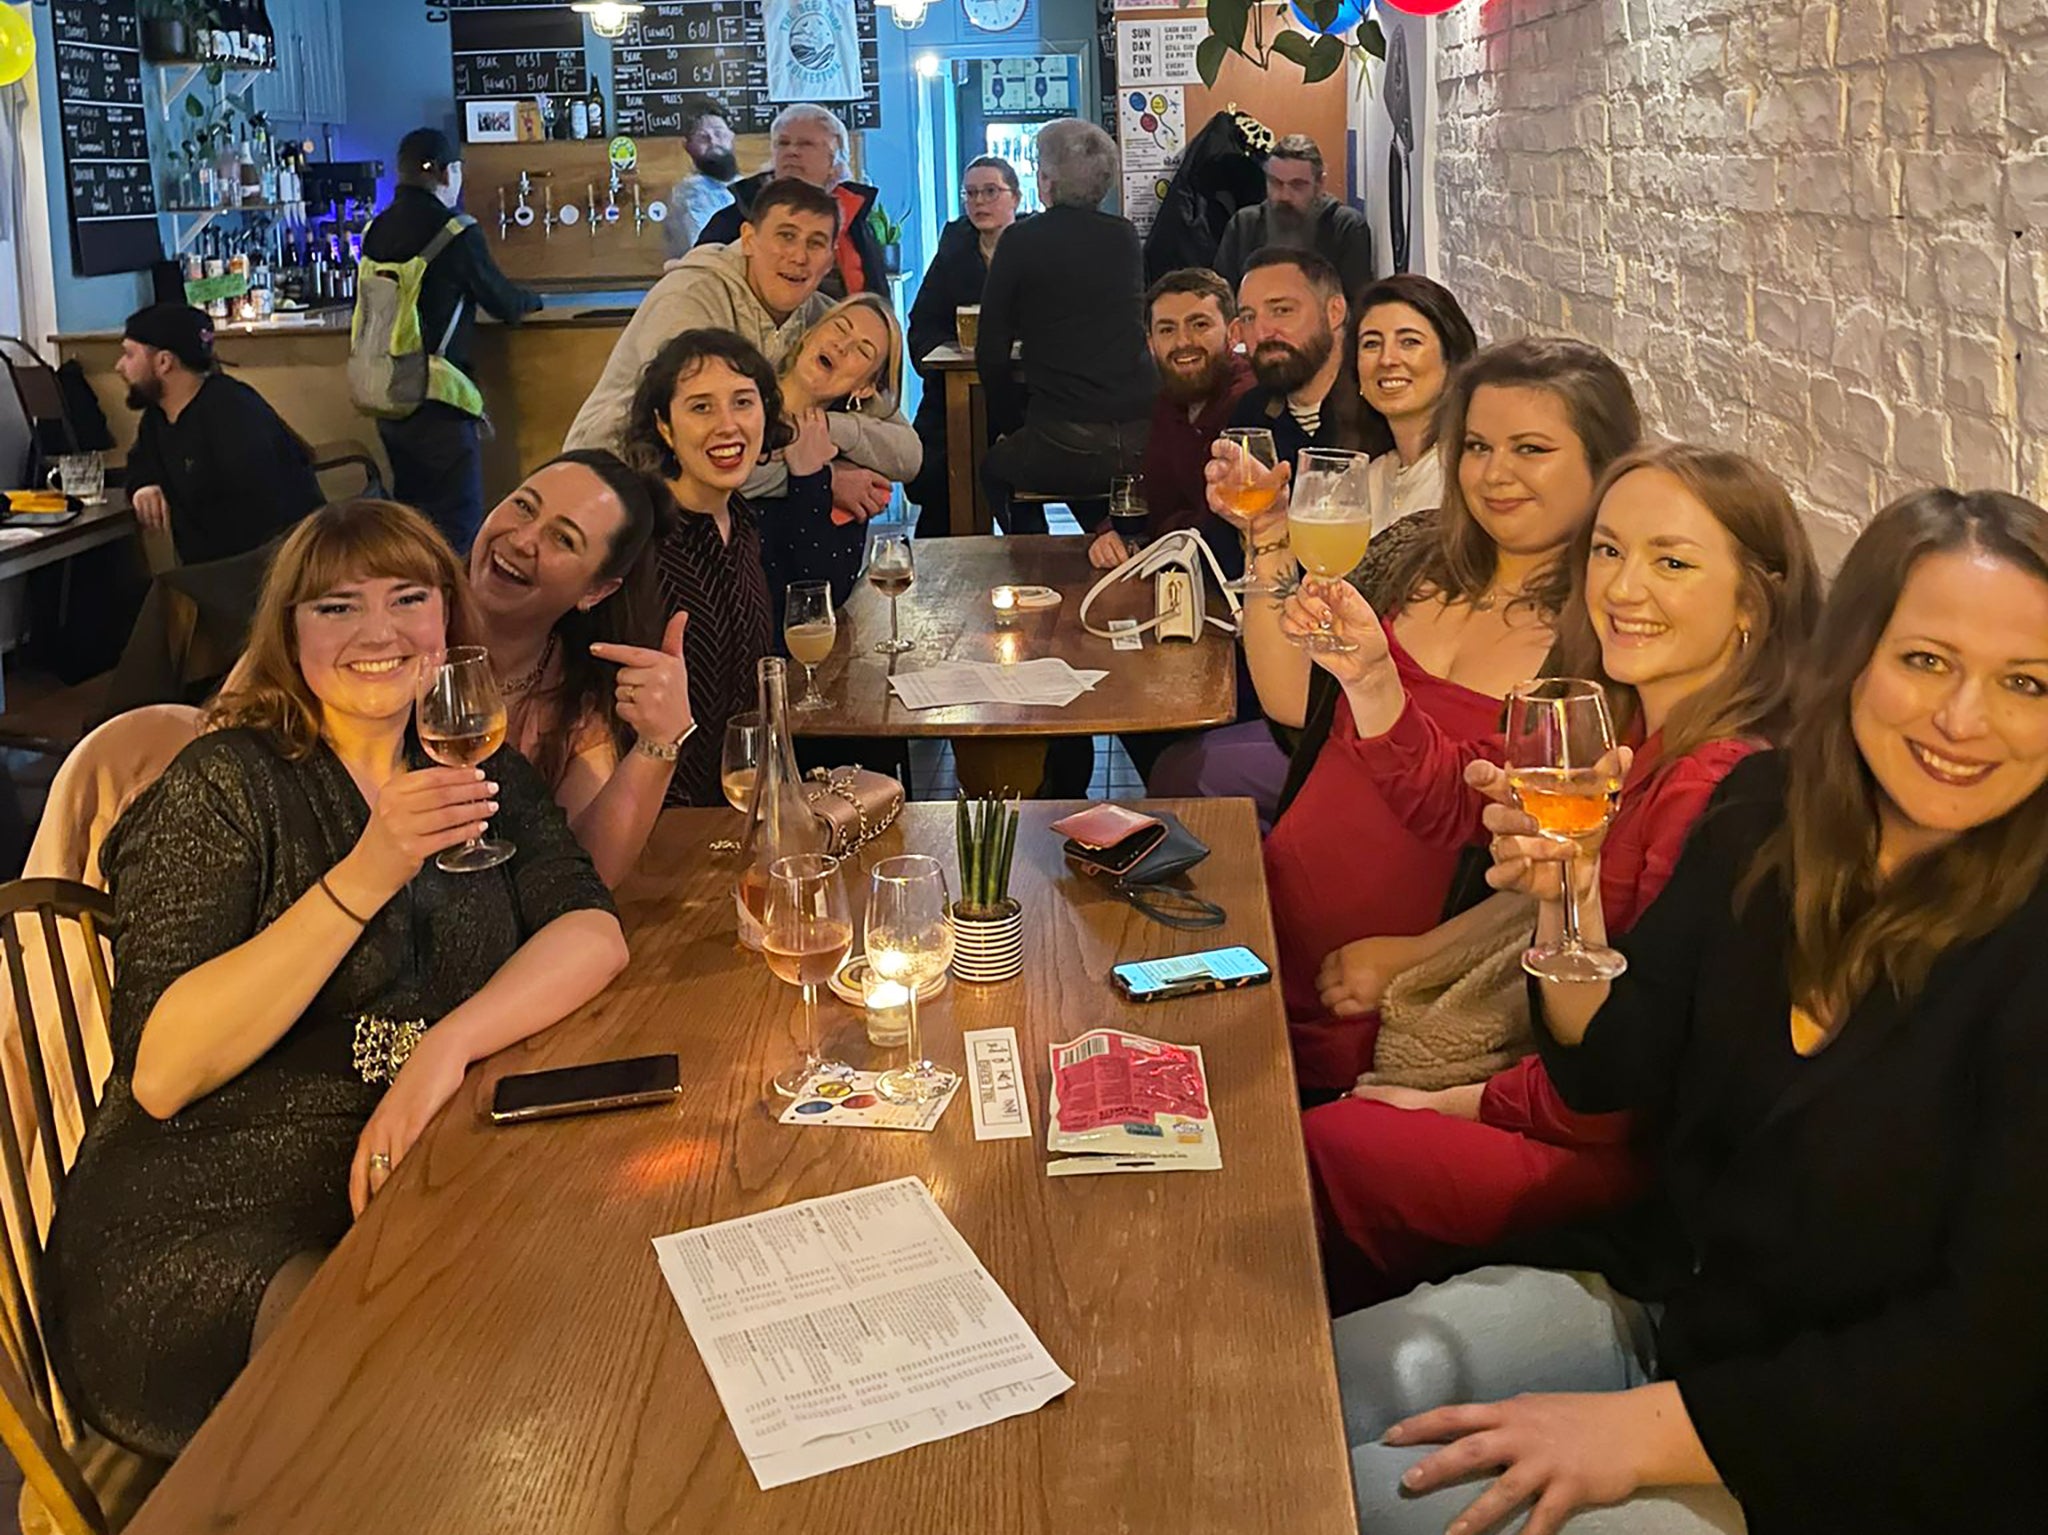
(946, 614)
(492, 1348)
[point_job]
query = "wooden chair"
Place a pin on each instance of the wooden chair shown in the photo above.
(74, 1482)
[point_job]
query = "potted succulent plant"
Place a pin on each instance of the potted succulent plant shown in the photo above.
(988, 926)
(889, 235)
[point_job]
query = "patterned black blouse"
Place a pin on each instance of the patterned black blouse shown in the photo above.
(719, 582)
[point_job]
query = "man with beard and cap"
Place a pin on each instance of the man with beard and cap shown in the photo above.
(1290, 311)
(1188, 316)
(212, 462)
(707, 137)
(1298, 215)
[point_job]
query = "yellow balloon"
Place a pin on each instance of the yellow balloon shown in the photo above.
(17, 46)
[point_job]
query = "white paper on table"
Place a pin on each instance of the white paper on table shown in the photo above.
(1047, 681)
(840, 1329)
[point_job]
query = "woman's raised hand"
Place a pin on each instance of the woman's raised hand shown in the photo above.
(1337, 608)
(813, 448)
(653, 688)
(1524, 860)
(417, 815)
(1223, 467)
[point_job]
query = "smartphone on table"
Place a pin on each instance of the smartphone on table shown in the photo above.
(587, 1089)
(1154, 980)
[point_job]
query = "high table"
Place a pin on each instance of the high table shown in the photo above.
(25, 547)
(492, 1347)
(947, 616)
(966, 437)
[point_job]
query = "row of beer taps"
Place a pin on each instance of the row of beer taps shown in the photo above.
(522, 214)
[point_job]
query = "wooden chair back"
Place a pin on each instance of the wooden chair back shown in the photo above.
(36, 1423)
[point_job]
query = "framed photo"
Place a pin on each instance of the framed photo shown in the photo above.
(490, 122)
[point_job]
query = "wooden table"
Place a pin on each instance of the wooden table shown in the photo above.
(25, 550)
(966, 437)
(492, 1348)
(946, 613)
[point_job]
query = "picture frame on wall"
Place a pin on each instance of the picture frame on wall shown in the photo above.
(490, 122)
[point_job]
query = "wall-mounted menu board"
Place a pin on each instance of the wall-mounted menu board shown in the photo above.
(683, 48)
(106, 137)
(510, 51)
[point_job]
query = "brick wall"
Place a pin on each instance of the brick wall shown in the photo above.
(1817, 231)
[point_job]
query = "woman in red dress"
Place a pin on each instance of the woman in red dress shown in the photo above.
(1697, 593)
(1526, 429)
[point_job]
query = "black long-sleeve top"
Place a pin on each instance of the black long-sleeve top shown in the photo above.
(1069, 284)
(234, 474)
(956, 276)
(464, 271)
(1850, 1247)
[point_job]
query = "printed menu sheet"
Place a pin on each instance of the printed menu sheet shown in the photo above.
(842, 1329)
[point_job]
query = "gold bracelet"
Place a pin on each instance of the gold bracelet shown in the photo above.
(1259, 551)
(341, 905)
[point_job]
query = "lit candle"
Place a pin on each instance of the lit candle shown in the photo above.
(888, 1004)
(1004, 600)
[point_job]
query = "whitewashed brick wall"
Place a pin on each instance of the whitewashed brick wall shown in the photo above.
(1818, 232)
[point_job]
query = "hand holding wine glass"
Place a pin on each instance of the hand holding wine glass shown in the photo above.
(891, 569)
(1338, 611)
(1564, 773)
(1246, 479)
(806, 931)
(417, 815)
(461, 723)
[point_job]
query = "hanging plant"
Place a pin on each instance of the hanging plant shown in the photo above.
(1256, 30)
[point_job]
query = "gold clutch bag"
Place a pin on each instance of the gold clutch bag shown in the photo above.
(855, 804)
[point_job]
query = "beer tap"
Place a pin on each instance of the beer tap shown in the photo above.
(547, 228)
(639, 215)
(523, 214)
(590, 192)
(504, 219)
(611, 204)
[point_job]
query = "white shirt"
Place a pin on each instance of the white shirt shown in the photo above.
(1397, 491)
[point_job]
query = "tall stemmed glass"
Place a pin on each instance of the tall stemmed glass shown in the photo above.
(910, 941)
(461, 721)
(891, 569)
(1561, 767)
(809, 630)
(1128, 513)
(807, 930)
(1244, 490)
(739, 760)
(1329, 523)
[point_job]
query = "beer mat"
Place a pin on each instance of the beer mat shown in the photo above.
(854, 1104)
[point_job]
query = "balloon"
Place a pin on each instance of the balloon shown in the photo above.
(1350, 13)
(17, 46)
(1423, 7)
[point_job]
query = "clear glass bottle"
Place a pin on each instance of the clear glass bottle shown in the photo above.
(779, 819)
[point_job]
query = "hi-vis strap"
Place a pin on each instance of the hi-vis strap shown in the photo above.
(444, 237)
(1181, 550)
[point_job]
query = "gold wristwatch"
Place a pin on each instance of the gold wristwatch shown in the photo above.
(664, 752)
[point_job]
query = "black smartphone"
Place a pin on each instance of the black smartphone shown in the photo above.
(587, 1089)
(1154, 980)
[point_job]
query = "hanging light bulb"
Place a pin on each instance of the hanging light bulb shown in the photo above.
(908, 13)
(608, 18)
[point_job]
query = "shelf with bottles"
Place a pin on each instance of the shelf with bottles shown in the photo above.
(186, 39)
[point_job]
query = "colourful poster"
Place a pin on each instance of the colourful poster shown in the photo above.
(1152, 126)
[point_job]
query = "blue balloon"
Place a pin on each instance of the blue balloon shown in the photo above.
(1350, 15)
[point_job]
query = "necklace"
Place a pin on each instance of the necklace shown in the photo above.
(519, 687)
(1486, 601)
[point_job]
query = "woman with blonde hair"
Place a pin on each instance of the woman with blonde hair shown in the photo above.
(299, 988)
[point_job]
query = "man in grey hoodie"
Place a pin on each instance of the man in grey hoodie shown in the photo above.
(765, 289)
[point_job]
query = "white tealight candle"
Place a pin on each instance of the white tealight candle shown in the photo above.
(1004, 600)
(888, 1004)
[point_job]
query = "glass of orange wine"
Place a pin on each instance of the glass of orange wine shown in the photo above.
(1561, 767)
(806, 932)
(461, 720)
(1329, 523)
(1244, 491)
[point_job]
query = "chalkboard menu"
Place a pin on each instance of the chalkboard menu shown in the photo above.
(106, 137)
(518, 51)
(683, 48)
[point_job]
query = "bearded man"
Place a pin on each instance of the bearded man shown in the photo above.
(1299, 215)
(1290, 311)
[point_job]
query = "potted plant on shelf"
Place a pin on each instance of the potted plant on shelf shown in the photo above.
(168, 28)
(988, 926)
(889, 235)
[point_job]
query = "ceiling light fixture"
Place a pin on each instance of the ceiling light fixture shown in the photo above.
(608, 18)
(908, 13)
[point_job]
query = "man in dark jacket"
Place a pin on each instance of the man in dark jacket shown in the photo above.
(1290, 313)
(959, 270)
(436, 461)
(1299, 215)
(211, 461)
(810, 143)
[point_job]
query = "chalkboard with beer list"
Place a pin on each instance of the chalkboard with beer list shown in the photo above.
(677, 49)
(502, 54)
(106, 136)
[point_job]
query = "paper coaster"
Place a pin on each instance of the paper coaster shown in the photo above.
(1036, 596)
(856, 1105)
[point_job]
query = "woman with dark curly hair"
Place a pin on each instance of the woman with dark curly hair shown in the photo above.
(707, 409)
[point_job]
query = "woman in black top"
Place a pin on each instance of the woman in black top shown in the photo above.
(1833, 1013)
(298, 988)
(706, 409)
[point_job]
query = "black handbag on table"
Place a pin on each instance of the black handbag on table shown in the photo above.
(1139, 854)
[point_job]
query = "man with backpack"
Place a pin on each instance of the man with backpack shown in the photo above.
(425, 272)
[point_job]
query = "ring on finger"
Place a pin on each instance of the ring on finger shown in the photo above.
(380, 1161)
(628, 691)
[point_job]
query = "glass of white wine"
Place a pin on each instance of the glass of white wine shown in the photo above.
(809, 628)
(1561, 767)
(806, 931)
(1329, 523)
(891, 570)
(910, 941)
(461, 722)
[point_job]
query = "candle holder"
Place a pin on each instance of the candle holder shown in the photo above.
(1003, 601)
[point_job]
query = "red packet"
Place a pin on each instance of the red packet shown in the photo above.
(1124, 1103)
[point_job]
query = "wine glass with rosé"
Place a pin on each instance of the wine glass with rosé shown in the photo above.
(1561, 767)
(461, 723)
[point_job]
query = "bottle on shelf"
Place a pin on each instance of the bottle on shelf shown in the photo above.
(596, 111)
(780, 823)
(579, 118)
(266, 37)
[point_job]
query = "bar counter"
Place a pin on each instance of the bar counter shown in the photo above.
(534, 376)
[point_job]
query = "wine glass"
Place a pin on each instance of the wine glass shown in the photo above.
(890, 572)
(1329, 523)
(910, 941)
(461, 721)
(1253, 457)
(809, 629)
(806, 931)
(1128, 513)
(739, 760)
(1560, 764)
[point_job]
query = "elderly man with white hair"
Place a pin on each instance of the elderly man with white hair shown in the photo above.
(1068, 287)
(810, 143)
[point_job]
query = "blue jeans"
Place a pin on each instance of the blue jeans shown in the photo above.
(1494, 1333)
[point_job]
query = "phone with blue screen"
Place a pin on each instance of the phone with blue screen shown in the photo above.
(1154, 980)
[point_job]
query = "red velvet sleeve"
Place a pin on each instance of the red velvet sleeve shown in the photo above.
(1419, 769)
(1524, 1100)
